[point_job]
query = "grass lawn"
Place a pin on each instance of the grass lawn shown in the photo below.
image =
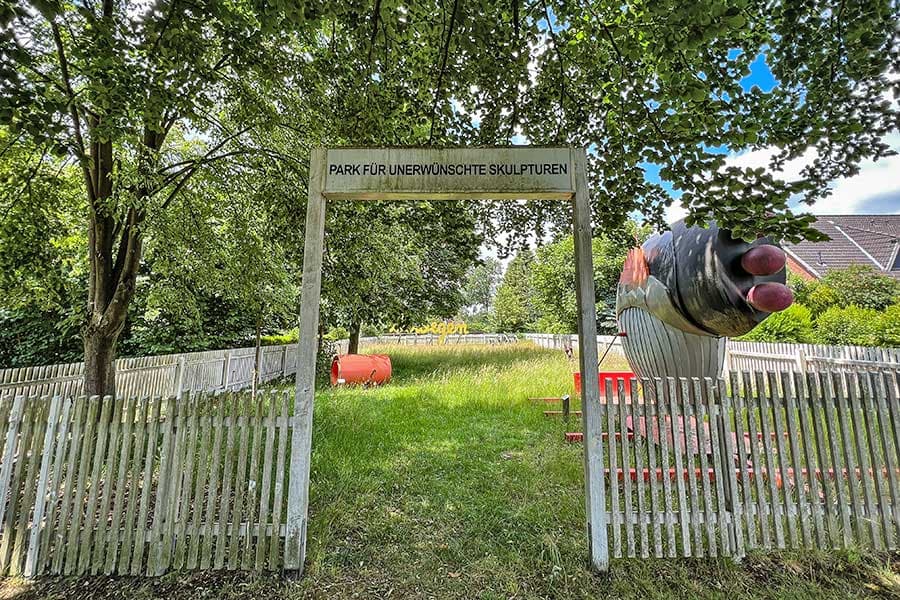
(449, 483)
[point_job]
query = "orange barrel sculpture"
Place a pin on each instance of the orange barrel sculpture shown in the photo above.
(361, 369)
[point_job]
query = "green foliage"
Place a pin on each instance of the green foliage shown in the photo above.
(793, 324)
(889, 326)
(863, 286)
(857, 285)
(513, 305)
(481, 285)
(851, 325)
(280, 339)
(553, 279)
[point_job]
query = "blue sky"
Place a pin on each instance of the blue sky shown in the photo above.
(876, 189)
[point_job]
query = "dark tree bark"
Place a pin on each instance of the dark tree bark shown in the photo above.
(115, 245)
(353, 346)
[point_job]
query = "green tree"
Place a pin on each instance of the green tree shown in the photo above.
(481, 285)
(514, 303)
(553, 279)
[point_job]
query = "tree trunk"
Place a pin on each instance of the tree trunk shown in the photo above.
(256, 361)
(100, 363)
(353, 346)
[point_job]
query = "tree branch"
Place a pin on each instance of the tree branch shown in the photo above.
(73, 111)
(440, 81)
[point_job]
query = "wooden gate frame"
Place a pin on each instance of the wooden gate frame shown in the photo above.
(301, 441)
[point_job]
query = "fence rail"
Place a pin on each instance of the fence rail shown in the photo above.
(763, 460)
(164, 375)
(803, 358)
(143, 485)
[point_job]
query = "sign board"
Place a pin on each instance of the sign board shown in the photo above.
(448, 173)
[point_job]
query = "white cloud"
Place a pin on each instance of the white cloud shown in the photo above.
(876, 180)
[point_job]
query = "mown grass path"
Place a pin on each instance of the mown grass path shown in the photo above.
(449, 483)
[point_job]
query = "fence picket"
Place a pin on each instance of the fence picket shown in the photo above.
(205, 439)
(625, 443)
(278, 497)
(850, 383)
(639, 450)
(648, 416)
(206, 555)
(692, 450)
(700, 419)
(142, 527)
(113, 447)
(262, 540)
(137, 462)
(34, 450)
(615, 514)
(246, 407)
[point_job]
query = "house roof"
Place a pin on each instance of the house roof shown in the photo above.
(855, 240)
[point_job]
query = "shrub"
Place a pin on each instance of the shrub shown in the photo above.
(794, 324)
(848, 326)
(279, 339)
(862, 286)
(821, 297)
(890, 326)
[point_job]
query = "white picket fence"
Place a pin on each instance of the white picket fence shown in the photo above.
(762, 356)
(164, 375)
(430, 339)
(805, 358)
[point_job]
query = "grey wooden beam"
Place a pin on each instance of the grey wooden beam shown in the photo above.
(301, 437)
(595, 492)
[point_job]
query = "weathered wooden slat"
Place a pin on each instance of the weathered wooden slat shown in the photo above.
(134, 473)
(663, 419)
(68, 497)
(34, 452)
(154, 556)
(227, 480)
(205, 441)
(240, 479)
(702, 443)
(615, 513)
(878, 460)
(88, 447)
(262, 542)
(190, 441)
(253, 482)
(753, 415)
(14, 426)
(867, 481)
(99, 453)
(625, 443)
(749, 512)
(49, 532)
(108, 476)
(718, 461)
(206, 554)
(278, 495)
(54, 439)
(692, 450)
(885, 398)
(648, 416)
(775, 501)
(640, 450)
(176, 478)
(790, 401)
(107, 551)
(728, 439)
(835, 390)
(777, 403)
(809, 442)
(679, 440)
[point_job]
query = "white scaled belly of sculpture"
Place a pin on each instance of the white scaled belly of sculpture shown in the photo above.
(655, 349)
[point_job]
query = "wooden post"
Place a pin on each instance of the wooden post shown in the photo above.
(301, 438)
(595, 492)
(226, 370)
(179, 376)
